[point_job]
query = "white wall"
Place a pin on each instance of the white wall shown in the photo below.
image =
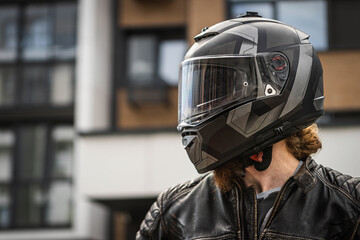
(138, 165)
(341, 149)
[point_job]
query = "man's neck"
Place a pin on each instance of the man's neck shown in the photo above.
(283, 166)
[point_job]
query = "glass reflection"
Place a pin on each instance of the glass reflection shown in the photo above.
(171, 54)
(59, 204)
(141, 59)
(37, 32)
(61, 84)
(62, 137)
(8, 33)
(6, 154)
(308, 16)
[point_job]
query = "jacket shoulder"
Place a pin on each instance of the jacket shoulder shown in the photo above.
(177, 191)
(153, 225)
(349, 185)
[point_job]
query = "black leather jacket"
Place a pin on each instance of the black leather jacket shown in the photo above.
(316, 203)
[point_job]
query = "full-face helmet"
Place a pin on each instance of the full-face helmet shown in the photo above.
(245, 84)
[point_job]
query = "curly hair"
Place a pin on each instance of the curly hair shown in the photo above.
(300, 144)
(304, 143)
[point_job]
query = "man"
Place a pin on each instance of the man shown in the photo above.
(249, 92)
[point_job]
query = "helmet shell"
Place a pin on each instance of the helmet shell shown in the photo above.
(245, 128)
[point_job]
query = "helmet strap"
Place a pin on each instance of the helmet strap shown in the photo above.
(262, 160)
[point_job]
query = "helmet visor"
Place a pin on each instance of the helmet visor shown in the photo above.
(210, 85)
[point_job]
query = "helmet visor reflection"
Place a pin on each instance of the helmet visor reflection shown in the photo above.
(209, 85)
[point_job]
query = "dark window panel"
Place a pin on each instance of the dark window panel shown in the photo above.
(65, 30)
(35, 85)
(29, 202)
(344, 24)
(32, 147)
(7, 86)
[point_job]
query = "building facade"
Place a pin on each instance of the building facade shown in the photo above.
(88, 105)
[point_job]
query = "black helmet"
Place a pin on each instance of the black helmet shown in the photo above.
(245, 84)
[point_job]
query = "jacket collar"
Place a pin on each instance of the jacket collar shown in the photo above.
(304, 178)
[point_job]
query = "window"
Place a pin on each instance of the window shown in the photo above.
(308, 16)
(37, 54)
(37, 77)
(153, 59)
(41, 157)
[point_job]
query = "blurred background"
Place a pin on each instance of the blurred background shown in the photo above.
(88, 105)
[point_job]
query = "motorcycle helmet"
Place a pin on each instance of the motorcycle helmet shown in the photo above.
(245, 84)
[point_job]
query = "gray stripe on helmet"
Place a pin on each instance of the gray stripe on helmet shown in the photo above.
(250, 34)
(301, 79)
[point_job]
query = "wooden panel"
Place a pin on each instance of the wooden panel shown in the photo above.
(151, 115)
(142, 13)
(341, 80)
(120, 224)
(203, 13)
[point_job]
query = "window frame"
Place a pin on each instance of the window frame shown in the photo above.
(155, 87)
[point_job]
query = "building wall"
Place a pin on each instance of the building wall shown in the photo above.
(341, 79)
(128, 166)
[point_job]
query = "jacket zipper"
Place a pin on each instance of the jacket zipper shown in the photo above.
(239, 212)
(275, 208)
(276, 204)
(255, 215)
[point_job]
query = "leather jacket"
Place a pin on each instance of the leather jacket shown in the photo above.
(316, 203)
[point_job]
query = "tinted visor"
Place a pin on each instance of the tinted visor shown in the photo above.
(210, 85)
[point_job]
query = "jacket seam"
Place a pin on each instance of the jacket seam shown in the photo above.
(279, 234)
(165, 202)
(225, 236)
(182, 192)
(339, 189)
(312, 175)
